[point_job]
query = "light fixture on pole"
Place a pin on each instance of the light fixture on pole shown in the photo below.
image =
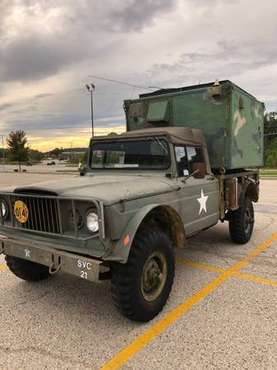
(91, 87)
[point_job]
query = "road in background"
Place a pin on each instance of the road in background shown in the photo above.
(268, 191)
(14, 179)
(39, 168)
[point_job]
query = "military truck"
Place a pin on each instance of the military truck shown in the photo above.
(143, 194)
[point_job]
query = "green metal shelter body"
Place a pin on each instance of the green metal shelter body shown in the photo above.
(230, 118)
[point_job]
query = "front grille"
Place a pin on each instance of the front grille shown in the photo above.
(50, 214)
(43, 214)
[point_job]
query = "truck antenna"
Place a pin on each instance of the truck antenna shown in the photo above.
(123, 82)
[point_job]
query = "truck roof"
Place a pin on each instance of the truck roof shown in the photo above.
(177, 135)
(191, 87)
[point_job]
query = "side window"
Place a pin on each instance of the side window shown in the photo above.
(195, 159)
(182, 162)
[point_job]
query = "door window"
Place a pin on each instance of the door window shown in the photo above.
(188, 159)
(181, 159)
(195, 158)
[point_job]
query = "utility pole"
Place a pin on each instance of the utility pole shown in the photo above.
(3, 146)
(91, 88)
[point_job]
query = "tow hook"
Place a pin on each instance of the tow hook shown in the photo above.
(55, 265)
(2, 239)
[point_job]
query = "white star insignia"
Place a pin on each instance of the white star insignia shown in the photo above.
(203, 202)
(27, 253)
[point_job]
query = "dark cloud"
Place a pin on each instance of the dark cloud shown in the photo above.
(231, 59)
(121, 16)
(6, 106)
(135, 15)
(34, 54)
(43, 95)
(68, 124)
(6, 7)
(38, 56)
(49, 113)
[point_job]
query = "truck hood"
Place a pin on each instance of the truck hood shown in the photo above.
(107, 188)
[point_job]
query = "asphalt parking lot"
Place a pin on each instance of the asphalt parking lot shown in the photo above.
(221, 313)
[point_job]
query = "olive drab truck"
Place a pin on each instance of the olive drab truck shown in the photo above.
(189, 159)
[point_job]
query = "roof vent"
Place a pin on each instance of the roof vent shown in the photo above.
(216, 90)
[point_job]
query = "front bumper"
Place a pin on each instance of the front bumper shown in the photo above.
(57, 260)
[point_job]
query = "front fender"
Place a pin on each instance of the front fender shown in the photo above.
(122, 247)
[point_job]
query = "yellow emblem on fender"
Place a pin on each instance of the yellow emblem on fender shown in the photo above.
(21, 211)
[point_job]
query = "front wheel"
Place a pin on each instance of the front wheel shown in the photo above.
(241, 222)
(141, 287)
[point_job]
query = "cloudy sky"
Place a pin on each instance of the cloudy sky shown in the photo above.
(50, 48)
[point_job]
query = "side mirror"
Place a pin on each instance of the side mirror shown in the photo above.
(200, 170)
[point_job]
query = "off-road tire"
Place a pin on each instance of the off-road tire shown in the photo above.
(27, 270)
(241, 222)
(127, 290)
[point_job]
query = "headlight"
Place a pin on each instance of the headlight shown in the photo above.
(92, 222)
(4, 209)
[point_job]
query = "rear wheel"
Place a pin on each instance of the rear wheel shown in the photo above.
(241, 222)
(27, 270)
(141, 287)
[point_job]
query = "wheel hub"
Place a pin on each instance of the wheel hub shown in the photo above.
(153, 276)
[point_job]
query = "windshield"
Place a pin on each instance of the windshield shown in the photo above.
(152, 153)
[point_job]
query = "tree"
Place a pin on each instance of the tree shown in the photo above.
(17, 147)
(270, 130)
(3, 154)
(35, 155)
(271, 154)
(55, 153)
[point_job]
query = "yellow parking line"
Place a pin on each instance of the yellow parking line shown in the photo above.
(256, 279)
(200, 265)
(171, 317)
(240, 275)
(3, 266)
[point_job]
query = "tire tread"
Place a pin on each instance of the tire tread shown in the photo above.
(123, 280)
(236, 223)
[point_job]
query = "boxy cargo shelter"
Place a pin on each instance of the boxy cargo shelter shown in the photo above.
(230, 118)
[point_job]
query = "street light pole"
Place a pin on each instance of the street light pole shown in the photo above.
(91, 87)
(3, 154)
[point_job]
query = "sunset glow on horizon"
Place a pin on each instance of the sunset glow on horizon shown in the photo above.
(80, 140)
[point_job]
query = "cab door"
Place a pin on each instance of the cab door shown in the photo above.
(199, 193)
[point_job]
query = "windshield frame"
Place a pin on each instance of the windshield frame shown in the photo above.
(156, 138)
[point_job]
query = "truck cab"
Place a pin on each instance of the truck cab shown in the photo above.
(175, 156)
